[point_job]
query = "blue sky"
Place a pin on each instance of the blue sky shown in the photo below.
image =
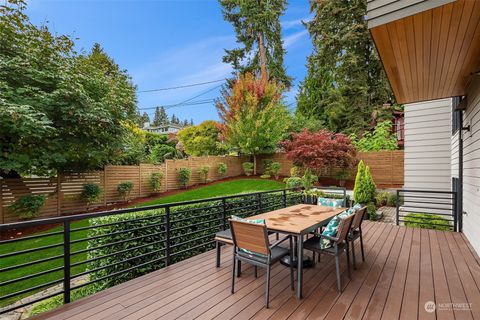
(168, 43)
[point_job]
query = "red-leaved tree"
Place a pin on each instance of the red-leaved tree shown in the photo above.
(321, 150)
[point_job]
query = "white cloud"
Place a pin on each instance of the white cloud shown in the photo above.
(290, 40)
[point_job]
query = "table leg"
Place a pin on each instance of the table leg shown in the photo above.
(299, 266)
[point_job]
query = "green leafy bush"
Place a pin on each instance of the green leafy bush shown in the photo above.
(222, 169)
(293, 182)
(372, 211)
(265, 176)
(155, 181)
(28, 206)
(309, 179)
(295, 171)
(161, 152)
(392, 200)
(426, 221)
(381, 138)
(247, 168)
(267, 166)
(192, 229)
(124, 189)
(184, 175)
(203, 173)
(381, 199)
(91, 192)
(275, 169)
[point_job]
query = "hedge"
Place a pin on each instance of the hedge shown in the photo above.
(192, 229)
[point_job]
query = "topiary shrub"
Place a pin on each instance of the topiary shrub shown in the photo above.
(222, 169)
(364, 190)
(28, 206)
(124, 189)
(91, 193)
(267, 166)
(184, 175)
(275, 169)
(155, 181)
(293, 182)
(203, 173)
(247, 168)
(426, 221)
(309, 179)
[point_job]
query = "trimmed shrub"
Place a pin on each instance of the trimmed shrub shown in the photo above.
(184, 175)
(192, 229)
(267, 166)
(203, 173)
(222, 169)
(293, 182)
(155, 181)
(309, 179)
(124, 189)
(381, 199)
(247, 168)
(91, 192)
(426, 221)
(28, 206)
(275, 169)
(364, 190)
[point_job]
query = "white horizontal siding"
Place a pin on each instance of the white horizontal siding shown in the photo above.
(428, 145)
(471, 167)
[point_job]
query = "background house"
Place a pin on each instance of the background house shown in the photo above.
(430, 50)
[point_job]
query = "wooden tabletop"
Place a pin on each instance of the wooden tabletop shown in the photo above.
(298, 219)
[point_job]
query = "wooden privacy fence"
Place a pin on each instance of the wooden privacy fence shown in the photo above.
(386, 167)
(63, 192)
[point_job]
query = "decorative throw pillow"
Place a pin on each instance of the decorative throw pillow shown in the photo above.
(330, 202)
(332, 228)
(254, 221)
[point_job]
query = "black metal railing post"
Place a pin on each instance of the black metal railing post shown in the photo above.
(455, 211)
(397, 218)
(66, 261)
(284, 198)
(224, 213)
(167, 236)
(260, 209)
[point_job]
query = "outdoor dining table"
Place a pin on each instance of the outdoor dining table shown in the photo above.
(298, 221)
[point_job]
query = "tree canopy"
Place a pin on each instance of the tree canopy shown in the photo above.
(82, 104)
(254, 117)
(201, 140)
(346, 86)
(258, 30)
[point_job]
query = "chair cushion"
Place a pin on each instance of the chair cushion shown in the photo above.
(330, 202)
(276, 254)
(314, 244)
(225, 234)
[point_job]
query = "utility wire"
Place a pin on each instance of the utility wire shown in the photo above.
(180, 87)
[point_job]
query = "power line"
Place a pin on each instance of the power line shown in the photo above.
(183, 86)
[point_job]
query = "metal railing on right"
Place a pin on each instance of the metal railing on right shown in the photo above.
(429, 209)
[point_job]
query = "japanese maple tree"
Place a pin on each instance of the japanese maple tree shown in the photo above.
(321, 150)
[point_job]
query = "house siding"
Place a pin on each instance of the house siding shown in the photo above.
(384, 11)
(471, 166)
(428, 144)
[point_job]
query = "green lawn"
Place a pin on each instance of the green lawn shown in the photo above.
(220, 189)
(215, 190)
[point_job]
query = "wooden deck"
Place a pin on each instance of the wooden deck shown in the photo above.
(404, 269)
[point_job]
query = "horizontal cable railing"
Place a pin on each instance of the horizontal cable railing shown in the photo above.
(82, 254)
(429, 209)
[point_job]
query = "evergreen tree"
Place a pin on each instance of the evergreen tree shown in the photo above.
(346, 86)
(257, 25)
(160, 117)
(143, 119)
(191, 122)
(185, 123)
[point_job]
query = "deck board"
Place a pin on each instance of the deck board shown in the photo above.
(403, 269)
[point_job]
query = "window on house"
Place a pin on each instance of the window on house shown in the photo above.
(456, 115)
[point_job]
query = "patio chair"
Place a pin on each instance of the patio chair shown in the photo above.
(251, 245)
(224, 237)
(356, 233)
(339, 245)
